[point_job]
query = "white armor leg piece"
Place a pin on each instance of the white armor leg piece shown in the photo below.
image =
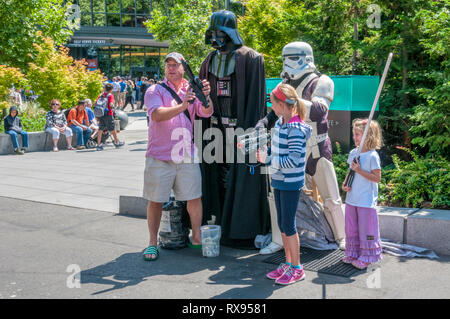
(326, 182)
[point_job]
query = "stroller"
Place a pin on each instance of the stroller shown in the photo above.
(92, 142)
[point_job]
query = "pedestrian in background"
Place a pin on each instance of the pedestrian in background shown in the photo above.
(123, 92)
(106, 122)
(78, 121)
(93, 123)
(13, 127)
(56, 123)
(129, 96)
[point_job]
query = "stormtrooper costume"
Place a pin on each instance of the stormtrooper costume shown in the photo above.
(316, 92)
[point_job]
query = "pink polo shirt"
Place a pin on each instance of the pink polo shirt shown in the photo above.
(166, 141)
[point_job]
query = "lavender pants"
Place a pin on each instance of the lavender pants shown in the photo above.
(362, 234)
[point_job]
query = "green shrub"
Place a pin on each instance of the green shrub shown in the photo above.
(422, 182)
(8, 77)
(54, 74)
(33, 118)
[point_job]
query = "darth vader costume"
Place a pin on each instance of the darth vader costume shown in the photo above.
(235, 193)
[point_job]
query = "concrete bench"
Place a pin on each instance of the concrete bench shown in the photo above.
(392, 222)
(430, 228)
(38, 142)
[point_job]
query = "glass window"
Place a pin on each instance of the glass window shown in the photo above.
(151, 57)
(99, 20)
(128, 20)
(143, 6)
(86, 19)
(98, 5)
(113, 19)
(137, 56)
(104, 60)
(113, 6)
(141, 20)
(85, 5)
(115, 61)
(128, 6)
(126, 54)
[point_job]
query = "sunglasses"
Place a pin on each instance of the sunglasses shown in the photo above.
(55, 104)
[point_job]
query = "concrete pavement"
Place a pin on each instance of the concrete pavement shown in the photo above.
(44, 245)
(85, 179)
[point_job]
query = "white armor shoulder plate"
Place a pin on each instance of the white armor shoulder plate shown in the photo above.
(324, 91)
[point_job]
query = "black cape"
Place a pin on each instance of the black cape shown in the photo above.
(245, 211)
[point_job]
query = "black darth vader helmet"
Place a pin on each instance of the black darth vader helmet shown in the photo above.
(226, 22)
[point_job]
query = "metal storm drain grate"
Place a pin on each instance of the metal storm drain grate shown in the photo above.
(323, 261)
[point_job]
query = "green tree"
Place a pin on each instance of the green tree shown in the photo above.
(430, 128)
(415, 96)
(268, 26)
(55, 75)
(19, 21)
(184, 28)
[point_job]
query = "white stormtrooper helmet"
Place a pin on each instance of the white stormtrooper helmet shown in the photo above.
(298, 60)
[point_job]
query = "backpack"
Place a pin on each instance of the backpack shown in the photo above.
(66, 112)
(100, 105)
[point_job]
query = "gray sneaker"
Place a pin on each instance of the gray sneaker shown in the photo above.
(100, 148)
(18, 152)
(120, 144)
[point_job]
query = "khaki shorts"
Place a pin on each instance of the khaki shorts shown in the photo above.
(160, 177)
(116, 95)
(122, 97)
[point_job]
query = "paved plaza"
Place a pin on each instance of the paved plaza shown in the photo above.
(59, 220)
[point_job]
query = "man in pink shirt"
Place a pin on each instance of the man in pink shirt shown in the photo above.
(170, 150)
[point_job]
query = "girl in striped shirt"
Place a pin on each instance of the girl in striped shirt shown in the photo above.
(287, 168)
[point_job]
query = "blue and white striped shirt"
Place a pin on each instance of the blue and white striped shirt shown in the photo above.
(288, 151)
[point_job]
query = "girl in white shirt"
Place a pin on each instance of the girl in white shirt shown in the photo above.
(363, 245)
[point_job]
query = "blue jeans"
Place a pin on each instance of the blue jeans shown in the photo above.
(81, 135)
(14, 140)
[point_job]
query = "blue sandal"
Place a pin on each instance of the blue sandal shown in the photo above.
(151, 250)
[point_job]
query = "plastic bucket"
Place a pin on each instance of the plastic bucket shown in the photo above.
(210, 240)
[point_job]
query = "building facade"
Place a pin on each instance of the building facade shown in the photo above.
(112, 37)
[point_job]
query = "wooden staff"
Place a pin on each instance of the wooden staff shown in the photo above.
(351, 173)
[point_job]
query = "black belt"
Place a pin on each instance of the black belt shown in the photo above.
(226, 121)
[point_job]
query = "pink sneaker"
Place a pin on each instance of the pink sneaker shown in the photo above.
(290, 276)
(277, 273)
(348, 260)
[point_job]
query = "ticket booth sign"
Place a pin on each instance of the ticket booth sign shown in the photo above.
(92, 64)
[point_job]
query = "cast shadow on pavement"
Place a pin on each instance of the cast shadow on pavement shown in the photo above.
(131, 270)
(254, 280)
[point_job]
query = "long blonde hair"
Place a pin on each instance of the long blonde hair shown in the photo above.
(374, 138)
(290, 93)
